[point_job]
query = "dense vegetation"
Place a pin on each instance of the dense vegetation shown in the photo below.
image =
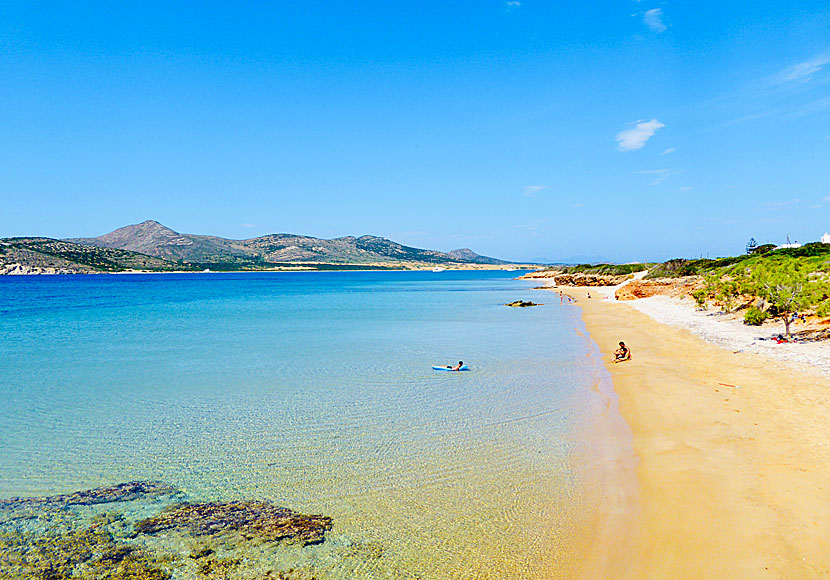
(703, 266)
(779, 283)
(603, 269)
(768, 283)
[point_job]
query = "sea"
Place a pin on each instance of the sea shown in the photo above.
(313, 391)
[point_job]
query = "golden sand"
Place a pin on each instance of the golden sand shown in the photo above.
(733, 457)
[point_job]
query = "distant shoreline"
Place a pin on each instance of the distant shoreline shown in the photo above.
(299, 268)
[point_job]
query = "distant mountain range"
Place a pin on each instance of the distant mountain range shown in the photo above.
(155, 247)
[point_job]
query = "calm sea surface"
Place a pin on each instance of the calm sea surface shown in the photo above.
(314, 391)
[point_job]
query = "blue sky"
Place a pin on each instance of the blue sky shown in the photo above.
(526, 130)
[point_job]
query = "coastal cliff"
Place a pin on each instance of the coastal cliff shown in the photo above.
(579, 279)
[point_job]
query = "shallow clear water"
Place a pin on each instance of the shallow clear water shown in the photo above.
(315, 391)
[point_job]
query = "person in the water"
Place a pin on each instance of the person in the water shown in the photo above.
(458, 366)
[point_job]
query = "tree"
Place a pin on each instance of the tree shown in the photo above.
(785, 286)
(727, 292)
(751, 246)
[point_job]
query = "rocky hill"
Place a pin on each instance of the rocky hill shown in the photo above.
(155, 239)
(49, 256)
(468, 255)
(150, 246)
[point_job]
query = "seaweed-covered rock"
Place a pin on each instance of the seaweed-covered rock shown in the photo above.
(260, 519)
(521, 304)
(87, 553)
(122, 492)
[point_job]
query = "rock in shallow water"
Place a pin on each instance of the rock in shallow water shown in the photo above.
(122, 492)
(260, 519)
(521, 304)
(68, 536)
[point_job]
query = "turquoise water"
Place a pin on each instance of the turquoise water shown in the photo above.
(315, 391)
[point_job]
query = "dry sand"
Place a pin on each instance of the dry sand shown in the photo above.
(734, 481)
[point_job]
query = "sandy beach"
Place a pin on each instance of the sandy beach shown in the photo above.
(733, 453)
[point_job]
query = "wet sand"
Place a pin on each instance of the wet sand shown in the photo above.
(733, 456)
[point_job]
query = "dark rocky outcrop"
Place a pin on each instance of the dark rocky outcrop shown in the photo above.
(121, 492)
(92, 552)
(251, 519)
(521, 304)
(82, 535)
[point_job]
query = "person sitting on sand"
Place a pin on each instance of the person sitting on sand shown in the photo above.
(458, 366)
(622, 354)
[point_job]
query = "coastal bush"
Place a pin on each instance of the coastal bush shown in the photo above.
(806, 251)
(700, 298)
(606, 269)
(727, 292)
(764, 249)
(754, 316)
(786, 286)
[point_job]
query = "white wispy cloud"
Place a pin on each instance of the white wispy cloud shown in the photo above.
(669, 150)
(532, 190)
(533, 227)
(826, 198)
(248, 226)
(512, 3)
(658, 175)
(780, 204)
(577, 205)
(654, 19)
(636, 137)
(803, 71)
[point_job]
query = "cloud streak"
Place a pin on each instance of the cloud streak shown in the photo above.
(803, 71)
(532, 190)
(636, 137)
(654, 20)
(658, 175)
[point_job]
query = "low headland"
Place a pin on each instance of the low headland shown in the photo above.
(729, 421)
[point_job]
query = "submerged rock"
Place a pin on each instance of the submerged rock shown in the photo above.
(521, 304)
(260, 519)
(122, 492)
(88, 553)
(69, 536)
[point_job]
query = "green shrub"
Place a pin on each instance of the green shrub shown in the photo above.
(700, 298)
(754, 316)
(764, 249)
(606, 269)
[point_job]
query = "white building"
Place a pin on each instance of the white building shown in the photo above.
(825, 239)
